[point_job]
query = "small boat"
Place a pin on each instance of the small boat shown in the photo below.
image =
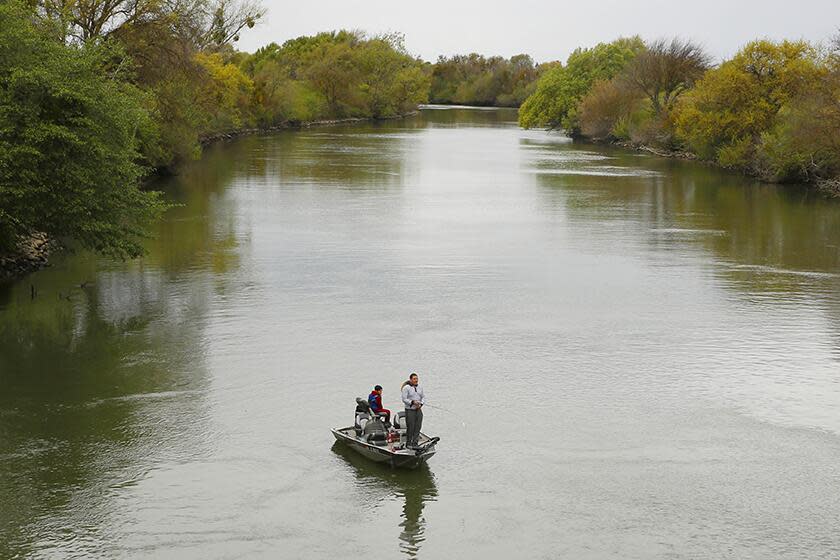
(373, 438)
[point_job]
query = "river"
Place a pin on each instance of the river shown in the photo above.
(633, 357)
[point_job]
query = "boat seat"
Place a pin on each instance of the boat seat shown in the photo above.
(399, 422)
(361, 421)
(374, 432)
(363, 415)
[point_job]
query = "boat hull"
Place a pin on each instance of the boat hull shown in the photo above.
(385, 454)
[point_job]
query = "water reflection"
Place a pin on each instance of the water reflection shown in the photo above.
(468, 117)
(370, 155)
(772, 236)
(95, 390)
(103, 372)
(768, 242)
(415, 488)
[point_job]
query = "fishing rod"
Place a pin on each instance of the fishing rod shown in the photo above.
(444, 409)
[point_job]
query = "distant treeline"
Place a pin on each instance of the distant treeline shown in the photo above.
(771, 111)
(476, 80)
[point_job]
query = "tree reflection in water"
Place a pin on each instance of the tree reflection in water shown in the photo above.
(415, 487)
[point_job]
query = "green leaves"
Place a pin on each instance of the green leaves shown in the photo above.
(476, 80)
(736, 114)
(334, 75)
(68, 144)
(559, 91)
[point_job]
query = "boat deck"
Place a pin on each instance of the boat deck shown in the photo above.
(393, 452)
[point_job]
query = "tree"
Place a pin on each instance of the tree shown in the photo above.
(223, 21)
(336, 74)
(206, 23)
(666, 70)
(804, 143)
(225, 95)
(606, 108)
(84, 20)
(476, 80)
(725, 115)
(330, 70)
(68, 143)
(555, 102)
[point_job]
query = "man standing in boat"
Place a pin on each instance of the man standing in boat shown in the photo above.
(414, 399)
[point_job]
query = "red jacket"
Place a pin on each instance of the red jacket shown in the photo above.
(375, 401)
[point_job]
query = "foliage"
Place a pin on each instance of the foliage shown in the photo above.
(68, 143)
(335, 75)
(772, 110)
(554, 104)
(227, 92)
(605, 111)
(725, 117)
(476, 80)
(94, 93)
(804, 143)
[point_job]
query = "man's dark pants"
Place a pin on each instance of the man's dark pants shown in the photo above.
(413, 422)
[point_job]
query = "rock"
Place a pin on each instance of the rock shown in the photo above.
(32, 254)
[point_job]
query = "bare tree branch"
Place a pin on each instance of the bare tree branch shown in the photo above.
(666, 70)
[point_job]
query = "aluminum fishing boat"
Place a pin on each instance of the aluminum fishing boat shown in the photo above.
(373, 438)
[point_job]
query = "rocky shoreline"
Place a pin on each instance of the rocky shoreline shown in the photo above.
(31, 255)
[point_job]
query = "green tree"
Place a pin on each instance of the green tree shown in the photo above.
(68, 143)
(333, 75)
(329, 68)
(554, 104)
(226, 93)
(724, 116)
(475, 80)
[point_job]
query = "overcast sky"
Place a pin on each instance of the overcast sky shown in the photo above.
(546, 29)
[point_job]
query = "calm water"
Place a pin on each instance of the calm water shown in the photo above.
(638, 358)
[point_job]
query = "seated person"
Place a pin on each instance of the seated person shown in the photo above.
(375, 400)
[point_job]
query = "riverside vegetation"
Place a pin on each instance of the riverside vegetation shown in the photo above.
(772, 111)
(475, 80)
(95, 95)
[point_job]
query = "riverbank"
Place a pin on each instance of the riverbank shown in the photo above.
(293, 125)
(33, 252)
(827, 187)
(31, 255)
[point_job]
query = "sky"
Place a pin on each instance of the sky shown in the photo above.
(545, 29)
